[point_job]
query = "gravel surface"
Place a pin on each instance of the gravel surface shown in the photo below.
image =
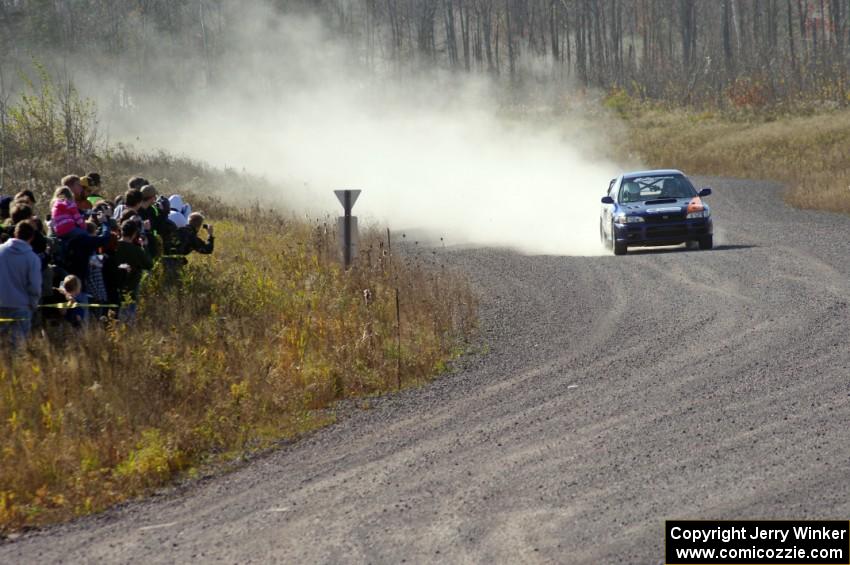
(614, 393)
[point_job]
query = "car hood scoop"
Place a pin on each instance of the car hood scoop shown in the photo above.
(662, 201)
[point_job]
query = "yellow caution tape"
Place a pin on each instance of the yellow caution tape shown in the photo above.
(69, 306)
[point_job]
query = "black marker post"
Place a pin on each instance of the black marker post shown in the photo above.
(347, 225)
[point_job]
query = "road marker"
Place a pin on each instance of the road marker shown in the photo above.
(347, 224)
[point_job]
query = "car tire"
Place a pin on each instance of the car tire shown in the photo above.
(706, 242)
(617, 248)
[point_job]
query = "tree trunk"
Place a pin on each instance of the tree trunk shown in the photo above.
(464, 30)
(451, 38)
(728, 55)
(510, 39)
(553, 30)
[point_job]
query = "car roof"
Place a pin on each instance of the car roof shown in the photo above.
(652, 173)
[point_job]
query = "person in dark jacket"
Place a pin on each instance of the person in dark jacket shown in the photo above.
(80, 248)
(152, 214)
(125, 270)
(187, 239)
(20, 283)
(163, 225)
(184, 241)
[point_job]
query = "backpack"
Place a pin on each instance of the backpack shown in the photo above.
(168, 233)
(57, 251)
(183, 240)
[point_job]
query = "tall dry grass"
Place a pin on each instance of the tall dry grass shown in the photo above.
(249, 348)
(809, 152)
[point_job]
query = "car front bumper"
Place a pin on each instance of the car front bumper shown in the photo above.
(668, 233)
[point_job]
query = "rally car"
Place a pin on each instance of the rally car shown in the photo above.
(654, 208)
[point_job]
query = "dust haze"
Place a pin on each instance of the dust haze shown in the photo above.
(435, 152)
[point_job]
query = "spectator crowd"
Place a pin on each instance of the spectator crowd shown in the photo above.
(88, 257)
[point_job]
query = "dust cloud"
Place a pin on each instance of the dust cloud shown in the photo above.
(433, 152)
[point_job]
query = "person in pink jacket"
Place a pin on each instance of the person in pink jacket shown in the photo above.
(65, 217)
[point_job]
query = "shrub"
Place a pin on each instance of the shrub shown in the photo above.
(50, 129)
(619, 101)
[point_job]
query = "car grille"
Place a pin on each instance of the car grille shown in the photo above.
(664, 218)
(673, 231)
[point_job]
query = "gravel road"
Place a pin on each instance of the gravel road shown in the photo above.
(614, 393)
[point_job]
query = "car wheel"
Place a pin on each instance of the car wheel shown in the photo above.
(616, 247)
(706, 242)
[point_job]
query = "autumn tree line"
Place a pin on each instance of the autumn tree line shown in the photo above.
(718, 52)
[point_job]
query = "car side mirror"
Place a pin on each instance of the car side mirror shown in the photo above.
(705, 191)
(607, 200)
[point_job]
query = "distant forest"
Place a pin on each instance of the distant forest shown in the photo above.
(727, 52)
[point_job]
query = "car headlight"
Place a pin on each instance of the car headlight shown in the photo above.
(700, 214)
(624, 219)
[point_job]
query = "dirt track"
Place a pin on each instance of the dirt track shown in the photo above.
(616, 392)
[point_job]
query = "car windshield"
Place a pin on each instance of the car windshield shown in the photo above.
(656, 187)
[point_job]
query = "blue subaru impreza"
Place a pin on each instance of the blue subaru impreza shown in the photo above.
(658, 207)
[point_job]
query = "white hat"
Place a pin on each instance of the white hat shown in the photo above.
(180, 211)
